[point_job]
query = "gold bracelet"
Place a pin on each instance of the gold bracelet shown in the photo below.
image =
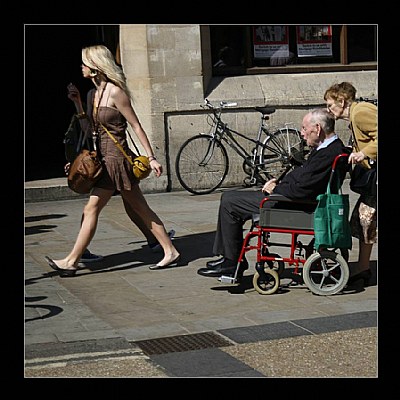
(82, 115)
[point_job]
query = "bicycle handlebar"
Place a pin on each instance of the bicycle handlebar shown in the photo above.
(228, 104)
(372, 100)
(222, 104)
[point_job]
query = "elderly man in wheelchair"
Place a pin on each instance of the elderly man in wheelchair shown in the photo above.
(298, 190)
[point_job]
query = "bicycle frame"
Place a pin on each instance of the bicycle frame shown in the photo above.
(202, 161)
(226, 134)
(255, 161)
(220, 133)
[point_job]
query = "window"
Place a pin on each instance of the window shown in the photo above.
(256, 49)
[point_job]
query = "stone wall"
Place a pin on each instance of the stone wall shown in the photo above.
(169, 73)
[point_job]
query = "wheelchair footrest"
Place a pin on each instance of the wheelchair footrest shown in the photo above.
(227, 279)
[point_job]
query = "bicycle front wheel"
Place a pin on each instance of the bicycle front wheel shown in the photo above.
(201, 164)
(279, 150)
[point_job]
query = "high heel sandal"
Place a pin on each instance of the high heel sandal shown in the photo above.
(64, 273)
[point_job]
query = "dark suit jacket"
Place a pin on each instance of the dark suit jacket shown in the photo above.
(311, 179)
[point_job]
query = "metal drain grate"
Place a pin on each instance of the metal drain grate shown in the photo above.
(176, 344)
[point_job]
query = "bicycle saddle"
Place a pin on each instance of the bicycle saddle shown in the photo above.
(265, 110)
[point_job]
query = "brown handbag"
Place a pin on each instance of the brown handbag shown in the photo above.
(84, 172)
(87, 168)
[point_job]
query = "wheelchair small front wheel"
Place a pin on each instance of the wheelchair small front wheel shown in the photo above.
(268, 284)
(325, 273)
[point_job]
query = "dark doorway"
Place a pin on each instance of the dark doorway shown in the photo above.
(52, 60)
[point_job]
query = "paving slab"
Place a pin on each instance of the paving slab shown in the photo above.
(120, 300)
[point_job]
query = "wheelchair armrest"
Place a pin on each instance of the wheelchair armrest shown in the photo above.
(287, 213)
(279, 197)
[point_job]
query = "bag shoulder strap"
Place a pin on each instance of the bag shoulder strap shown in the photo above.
(117, 144)
(134, 144)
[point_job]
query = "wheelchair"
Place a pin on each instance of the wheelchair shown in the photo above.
(323, 271)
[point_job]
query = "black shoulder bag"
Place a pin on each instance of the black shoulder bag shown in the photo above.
(364, 181)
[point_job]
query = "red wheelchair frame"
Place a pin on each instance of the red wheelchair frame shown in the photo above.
(325, 272)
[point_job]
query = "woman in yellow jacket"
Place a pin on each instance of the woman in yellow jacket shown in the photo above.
(363, 117)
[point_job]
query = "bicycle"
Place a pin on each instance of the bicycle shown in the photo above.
(372, 100)
(202, 162)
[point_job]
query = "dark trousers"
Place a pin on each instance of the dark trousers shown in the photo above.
(236, 207)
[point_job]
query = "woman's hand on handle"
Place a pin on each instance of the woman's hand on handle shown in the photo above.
(357, 157)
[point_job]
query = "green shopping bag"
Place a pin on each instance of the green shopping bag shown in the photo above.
(331, 220)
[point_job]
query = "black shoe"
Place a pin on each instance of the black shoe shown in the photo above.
(227, 267)
(62, 271)
(172, 263)
(215, 263)
(364, 275)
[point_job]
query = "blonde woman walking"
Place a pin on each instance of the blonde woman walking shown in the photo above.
(109, 104)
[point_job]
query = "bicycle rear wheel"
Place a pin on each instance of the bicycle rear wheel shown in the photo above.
(280, 150)
(201, 164)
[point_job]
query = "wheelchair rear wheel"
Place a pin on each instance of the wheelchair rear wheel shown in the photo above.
(268, 284)
(325, 273)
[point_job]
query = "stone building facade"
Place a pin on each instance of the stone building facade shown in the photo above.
(169, 72)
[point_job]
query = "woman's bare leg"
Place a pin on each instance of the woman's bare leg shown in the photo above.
(97, 200)
(137, 220)
(138, 203)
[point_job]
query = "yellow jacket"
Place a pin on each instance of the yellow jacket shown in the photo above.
(364, 124)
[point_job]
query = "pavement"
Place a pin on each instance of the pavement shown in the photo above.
(118, 318)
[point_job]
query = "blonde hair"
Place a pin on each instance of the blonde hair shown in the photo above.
(101, 59)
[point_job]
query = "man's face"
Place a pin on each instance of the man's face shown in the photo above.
(310, 131)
